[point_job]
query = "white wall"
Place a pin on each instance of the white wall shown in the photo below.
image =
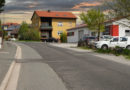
(124, 24)
(75, 38)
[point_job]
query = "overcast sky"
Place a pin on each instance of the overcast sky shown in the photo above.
(20, 10)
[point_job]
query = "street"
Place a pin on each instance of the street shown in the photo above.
(45, 67)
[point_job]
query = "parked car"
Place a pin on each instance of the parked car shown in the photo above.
(51, 39)
(106, 37)
(123, 42)
(12, 39)
(90, 40)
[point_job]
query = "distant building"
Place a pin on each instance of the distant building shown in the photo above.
(11, 27)
(77, 33)
(115, 27)
(52, 23)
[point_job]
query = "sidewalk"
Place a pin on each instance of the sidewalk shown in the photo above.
(7, 54)
(111, 57)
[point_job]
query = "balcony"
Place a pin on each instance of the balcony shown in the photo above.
(45, 27)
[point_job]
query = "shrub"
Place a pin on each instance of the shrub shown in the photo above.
(29, 34)
(63, 37)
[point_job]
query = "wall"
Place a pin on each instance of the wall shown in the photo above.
(75, 38)
(67, 23)
(36, 22)
(123, 25)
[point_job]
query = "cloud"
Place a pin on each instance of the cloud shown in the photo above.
(87, 4)
(25, 8)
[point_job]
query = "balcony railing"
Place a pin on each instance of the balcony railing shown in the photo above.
(43, 27)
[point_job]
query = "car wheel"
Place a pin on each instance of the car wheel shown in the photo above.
(128, 47)
(104, 47)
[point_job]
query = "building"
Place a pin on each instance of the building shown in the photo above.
(115, 27)
(10, 27)
(77, 33)
(52, 23)
(118, 27)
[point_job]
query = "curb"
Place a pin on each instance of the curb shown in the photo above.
(4, 83)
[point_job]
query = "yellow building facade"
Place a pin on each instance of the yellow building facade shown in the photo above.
(52, 24)
(61, 25)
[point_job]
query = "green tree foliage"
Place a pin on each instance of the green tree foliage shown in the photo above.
(2, 3)
(63, 37)
(94, 20)
(119, 7)
(29, 34)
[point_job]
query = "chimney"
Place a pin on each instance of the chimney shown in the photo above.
(49, 10)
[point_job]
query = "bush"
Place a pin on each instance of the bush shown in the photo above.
(29, 34)
(63, 37)
(116, 51)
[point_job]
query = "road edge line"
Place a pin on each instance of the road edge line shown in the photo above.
(9, 73)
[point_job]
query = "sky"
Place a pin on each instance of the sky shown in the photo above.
(22, 10)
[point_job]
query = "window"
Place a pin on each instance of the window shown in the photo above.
(127, 32)
(123, 39)
(93, 33)
(60, 24)
(70, 34)
(60, 32)
(115, 39)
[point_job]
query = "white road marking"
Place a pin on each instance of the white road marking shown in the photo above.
(11, 78)
(6, 79)
(12, 84)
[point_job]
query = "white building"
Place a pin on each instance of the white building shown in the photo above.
(115, 27)
(77, 33)
(118, 27)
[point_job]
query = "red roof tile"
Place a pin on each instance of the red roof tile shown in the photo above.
(55, 14)
(9, 24)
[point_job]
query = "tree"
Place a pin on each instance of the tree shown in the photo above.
(28, 33)
(119, 7)
(2, 3)
(94, 19)
(23, 31)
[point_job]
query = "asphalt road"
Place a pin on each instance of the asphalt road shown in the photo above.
(6, 58)
(83, 71)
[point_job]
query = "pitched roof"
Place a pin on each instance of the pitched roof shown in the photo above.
(55, 14)
(77, 27)
(116, 19)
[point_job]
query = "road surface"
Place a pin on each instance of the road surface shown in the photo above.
(45, 67)
(83, 71)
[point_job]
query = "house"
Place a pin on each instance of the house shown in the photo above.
(77, 33)
(52, 23)
(115, 27)
(118, 27)
(10, 27)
